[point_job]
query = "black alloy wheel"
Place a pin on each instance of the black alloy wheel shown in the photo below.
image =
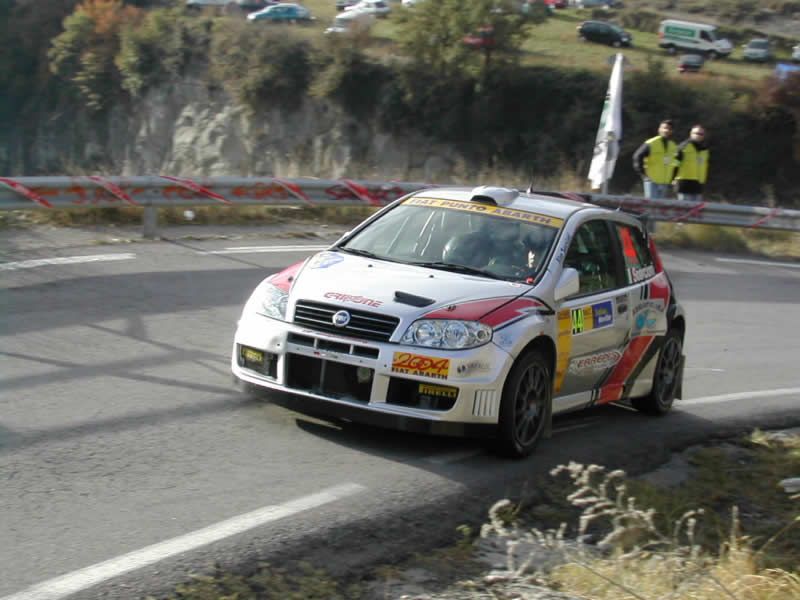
(666, 378)
(525, 407)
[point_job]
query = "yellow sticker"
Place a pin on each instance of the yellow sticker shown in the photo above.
(417, 364)
(563, 345)
(495, 211)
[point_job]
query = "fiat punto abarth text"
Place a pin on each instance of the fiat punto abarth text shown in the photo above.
(470, 312)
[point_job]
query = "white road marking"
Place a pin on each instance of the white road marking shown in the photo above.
(64, 260)
(59, 587)
(765, 263)
(741, 396)
(265, 249)
(713, 370)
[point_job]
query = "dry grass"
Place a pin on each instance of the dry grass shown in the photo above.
(763, 242)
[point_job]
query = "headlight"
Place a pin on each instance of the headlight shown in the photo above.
(439, 333)
(269, 301)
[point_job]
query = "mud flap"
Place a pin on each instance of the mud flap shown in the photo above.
(679, 388)
(547, 433)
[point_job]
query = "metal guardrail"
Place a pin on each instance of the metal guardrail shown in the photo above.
(152, 192)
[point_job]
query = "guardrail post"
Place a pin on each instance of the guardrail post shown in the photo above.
(150, 222)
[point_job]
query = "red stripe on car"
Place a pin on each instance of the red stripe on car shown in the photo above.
(613, 388)
(284, 279)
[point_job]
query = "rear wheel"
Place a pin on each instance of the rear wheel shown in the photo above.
(525, 408)
(666, 378)
(713, 55)
(671, 50)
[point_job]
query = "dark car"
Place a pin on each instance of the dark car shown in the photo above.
(690, 63)
(604, 32)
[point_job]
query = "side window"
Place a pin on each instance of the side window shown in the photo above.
(591, 254)
(638, 260)
(704, 35)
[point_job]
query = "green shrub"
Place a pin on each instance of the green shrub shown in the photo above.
(160, 48)
(263, 70)
(345, 75)
(642, 20)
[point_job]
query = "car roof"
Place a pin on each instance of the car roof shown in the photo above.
(559, 208)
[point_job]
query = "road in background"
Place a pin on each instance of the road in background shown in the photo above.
(120, 427)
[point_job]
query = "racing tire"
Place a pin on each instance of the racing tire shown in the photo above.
(666, 379)
(713, 55)
(616, 44)
(671, 50)
(526, 405)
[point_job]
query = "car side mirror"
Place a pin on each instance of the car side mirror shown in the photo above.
(568, 284)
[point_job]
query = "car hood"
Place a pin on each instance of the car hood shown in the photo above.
(401, 290)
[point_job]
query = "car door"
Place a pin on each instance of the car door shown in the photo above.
(646, 293)
(597, 318)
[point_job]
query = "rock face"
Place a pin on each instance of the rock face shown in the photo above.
(187, 128)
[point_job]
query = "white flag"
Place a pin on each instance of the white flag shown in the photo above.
(606, 144)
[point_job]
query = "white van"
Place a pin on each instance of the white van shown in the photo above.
(684, 35)
(351, 21)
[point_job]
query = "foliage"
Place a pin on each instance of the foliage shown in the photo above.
(431, 36)
(84, 53)
(345, 75)
(160, 48)
(270, 69)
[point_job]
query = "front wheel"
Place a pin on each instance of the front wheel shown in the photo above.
(666, 379)
(526, 405)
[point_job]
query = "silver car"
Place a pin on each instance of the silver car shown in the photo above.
(471, 312)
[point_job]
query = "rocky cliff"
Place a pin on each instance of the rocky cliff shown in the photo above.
(189, 129)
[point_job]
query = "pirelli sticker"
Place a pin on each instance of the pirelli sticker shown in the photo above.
(495, 211)
(418, 364)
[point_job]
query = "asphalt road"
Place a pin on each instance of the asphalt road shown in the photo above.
(120, 428)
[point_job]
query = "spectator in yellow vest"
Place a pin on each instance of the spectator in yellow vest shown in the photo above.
(655, 161)
(692, 170)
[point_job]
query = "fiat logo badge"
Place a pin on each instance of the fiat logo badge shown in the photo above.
(341, 318)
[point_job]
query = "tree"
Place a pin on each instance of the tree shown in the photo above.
(84, 53)
(432, 35)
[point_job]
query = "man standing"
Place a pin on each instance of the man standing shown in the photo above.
(655, 161)
(692, 165)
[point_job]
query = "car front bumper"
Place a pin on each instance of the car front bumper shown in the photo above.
(404, 387)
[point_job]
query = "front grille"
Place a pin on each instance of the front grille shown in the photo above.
(363, 324)
(328, 378)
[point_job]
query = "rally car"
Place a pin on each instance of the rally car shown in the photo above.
(471, 312)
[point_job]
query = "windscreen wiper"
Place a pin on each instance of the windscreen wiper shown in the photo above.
(456, 268)
(359, 252)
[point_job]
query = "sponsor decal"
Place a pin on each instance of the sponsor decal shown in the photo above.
(505, 340)
(323, 260)
(472, 367)
(602, 314)
(440, 391)
(594, 316)
(417, 364)
(497, 211)
(638, 274)
(645, 317)
(595, 362)
(354, 299)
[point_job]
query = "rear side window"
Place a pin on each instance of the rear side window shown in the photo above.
(639, 263)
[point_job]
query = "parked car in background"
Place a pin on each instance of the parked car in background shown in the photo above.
(604, 32)
(758, 50)
(377, 8)
(253, 5)
(284, 12)
(557, 3)
(210, 3)
(342, 4)
(483, 38)
(796, 53)
(690, 63)
(676, 35)
(351, 21)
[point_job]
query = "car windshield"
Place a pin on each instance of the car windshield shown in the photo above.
(616, 28)
(460, 236)
(759, 44)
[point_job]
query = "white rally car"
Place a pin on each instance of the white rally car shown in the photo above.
(470, 312)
